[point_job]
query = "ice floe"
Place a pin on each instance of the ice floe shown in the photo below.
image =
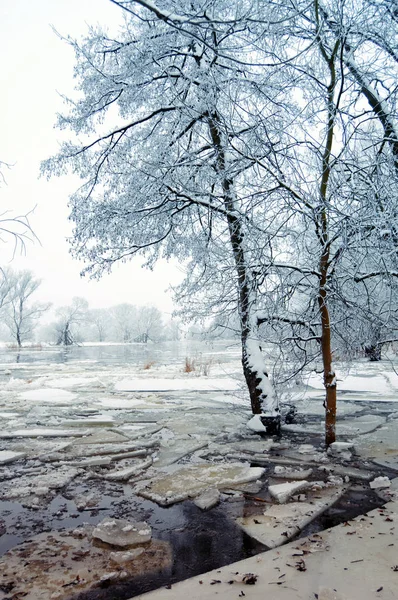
(280, 523)
(190, 481)
(49, 396)
(164, 385)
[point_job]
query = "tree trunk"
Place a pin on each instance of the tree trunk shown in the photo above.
(262, 397)
(322, 229)
(329, 378)
(373, 352)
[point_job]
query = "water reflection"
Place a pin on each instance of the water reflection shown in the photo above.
(162, 352)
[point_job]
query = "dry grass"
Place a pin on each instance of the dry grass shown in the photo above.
(13, 347)
(148, 365)
(189, 365)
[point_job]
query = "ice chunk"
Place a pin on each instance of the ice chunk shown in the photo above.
(7, 456)
(281, 522)
(120, 558)
(306, 449)
(379, 483)
(119, 532)
(283, 491)
(49, 396)
(42, 432)
(191, 481)
(128, 472)
(256, 425)
(165, 385)
(337, 448)
(208, 499)
(288, 473)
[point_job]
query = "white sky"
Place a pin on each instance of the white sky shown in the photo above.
(36, 67)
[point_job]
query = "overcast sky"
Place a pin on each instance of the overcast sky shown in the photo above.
(36, 68)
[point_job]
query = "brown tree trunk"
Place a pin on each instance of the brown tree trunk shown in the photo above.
(322, 230)
(329, 378)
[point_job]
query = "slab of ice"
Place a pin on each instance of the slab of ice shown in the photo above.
(128, 472)
(337, 448)
(190, 481)
(379, 483)
(9, 415)
(256, 425)
(351, 472)
(208, 499)
(7, 456)
(289, 473)
(380, 444)
(168, 456)
(352, 426)
(390, 462)
(281, 522)
(121, 558)
(165, 385)
(38, 485)
(281, 492)
(119, 532)
(65, 382)
(94, 421)
(120, 403)
(42, 432)
(119, 449)
(103, 437)
(255, 446)
(315, 408)
(48, 396)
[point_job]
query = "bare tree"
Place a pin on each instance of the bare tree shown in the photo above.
(124, 318)
(99, 317)
(6, 282)
(149, 324)
(21, 315)
(14, 227)
(69, 317)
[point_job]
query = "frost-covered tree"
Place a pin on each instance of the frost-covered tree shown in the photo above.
(100, 319)
(124, 318)
(165, 117)
(21, 315)
(68, 320)
(233, 135)
(328, 284)
(6, 282)
(149, 324)
(14, 227)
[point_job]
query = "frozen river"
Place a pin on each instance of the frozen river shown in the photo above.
(140, 432)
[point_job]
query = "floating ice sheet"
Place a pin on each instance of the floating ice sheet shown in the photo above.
(7, 457)
(280, 523)
(190, 481)
(189, 383)
(48, 396)
(42, 432)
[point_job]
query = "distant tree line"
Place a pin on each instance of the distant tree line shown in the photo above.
(76, 322)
